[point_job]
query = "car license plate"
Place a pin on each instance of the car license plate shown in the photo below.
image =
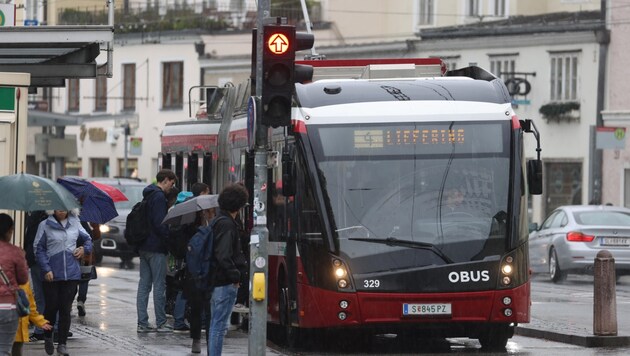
(615, 241)
(427, 309)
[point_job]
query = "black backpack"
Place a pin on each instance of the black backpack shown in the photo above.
(138, 225)
(178, 237)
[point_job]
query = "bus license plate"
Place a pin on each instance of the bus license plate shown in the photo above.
(615, 241)
(427, 309)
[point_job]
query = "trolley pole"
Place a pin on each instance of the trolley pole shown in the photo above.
(259, 237)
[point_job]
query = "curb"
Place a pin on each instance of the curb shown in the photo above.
(579, 340)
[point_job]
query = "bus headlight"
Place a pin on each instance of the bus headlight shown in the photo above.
(506, 269)
(342, 283)
(340, 272)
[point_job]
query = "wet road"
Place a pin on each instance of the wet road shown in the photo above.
(109, 328)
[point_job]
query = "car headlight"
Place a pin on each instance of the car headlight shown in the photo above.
(104, 228)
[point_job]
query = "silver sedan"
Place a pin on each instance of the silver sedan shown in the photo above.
(571, 236)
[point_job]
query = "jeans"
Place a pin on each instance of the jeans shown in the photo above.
(8, 327)
(38, 292)
(222, 302)
(179, 311)
(59, 297)
(152, 275)
(83, 288)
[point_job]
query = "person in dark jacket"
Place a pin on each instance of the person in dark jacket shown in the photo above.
(14, 267)
(33, 218)
(58, 256)
(228, 262)
(153, 255)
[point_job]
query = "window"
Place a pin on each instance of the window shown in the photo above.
(100, 167)
(425, 12)
(73, 95)
(564, 69)
(172, 85)
(129, 87)
(563, 184)
(73, 168)
(499, 8)
(472, 8)
(100, 92)
(503, 66)
(132, 167)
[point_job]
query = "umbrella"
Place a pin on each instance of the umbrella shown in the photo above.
(113, 192)
(96, 205)
(29, 192)
(185, 212)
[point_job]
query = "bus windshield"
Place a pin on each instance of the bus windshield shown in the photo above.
(439, 184)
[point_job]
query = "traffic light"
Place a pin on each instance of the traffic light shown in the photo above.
(280, 42)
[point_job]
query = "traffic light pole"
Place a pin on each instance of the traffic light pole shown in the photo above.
(259, 255)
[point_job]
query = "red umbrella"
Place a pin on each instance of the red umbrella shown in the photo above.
(113, 192)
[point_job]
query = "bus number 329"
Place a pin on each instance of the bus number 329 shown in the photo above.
(371, 283)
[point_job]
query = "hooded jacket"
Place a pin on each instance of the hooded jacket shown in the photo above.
(54, 245)
(156, 208)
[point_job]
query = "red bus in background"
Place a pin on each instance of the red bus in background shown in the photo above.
(400, 205)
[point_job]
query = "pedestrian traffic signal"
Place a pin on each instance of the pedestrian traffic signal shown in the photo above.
(280, 42)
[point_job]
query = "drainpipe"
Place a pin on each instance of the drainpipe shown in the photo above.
(603, 38)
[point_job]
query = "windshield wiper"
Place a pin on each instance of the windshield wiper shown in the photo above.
(392, 241)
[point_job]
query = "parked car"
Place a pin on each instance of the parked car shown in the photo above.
(113, 241)
(571, 236)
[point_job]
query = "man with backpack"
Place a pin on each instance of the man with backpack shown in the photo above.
(228, 263)
(152, 251)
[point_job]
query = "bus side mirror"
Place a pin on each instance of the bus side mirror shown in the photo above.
(535, 176)
(288, 170)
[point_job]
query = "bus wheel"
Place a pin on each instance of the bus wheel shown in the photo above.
(291, 333)
(555, 273)
(496, 337)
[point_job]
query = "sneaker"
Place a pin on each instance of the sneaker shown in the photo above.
(81, 308)
(240, 308)
(196, 346)
(183, 329)
(49, 345)
(164, 328)
(62, 350)
(145, 329)
(36, 337)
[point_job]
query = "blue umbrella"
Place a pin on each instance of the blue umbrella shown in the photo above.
(29, 192)
(96, 205)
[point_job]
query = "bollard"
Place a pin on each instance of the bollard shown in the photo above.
(605, 298)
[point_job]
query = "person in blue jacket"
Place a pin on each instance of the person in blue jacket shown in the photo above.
(58, 256)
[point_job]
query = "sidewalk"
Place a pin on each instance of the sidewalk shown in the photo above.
(557, 319)
(90, 341)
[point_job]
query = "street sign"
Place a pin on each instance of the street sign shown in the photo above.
(7, 15)
(31, 22)
(135, 146)
(521, 102)
(7, 99)
(610, 138)
(251, 121)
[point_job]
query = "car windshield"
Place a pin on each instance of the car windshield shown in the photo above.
(602, 218)
(382, 185)
(132, 192)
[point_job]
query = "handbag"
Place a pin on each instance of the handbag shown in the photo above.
(88, 272)
(21, 300)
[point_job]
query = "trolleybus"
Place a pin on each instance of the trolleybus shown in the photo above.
(400, 205)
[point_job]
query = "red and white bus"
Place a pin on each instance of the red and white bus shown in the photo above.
(407, 203)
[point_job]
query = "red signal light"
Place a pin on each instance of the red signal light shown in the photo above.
(576, 236)
(278, 43)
